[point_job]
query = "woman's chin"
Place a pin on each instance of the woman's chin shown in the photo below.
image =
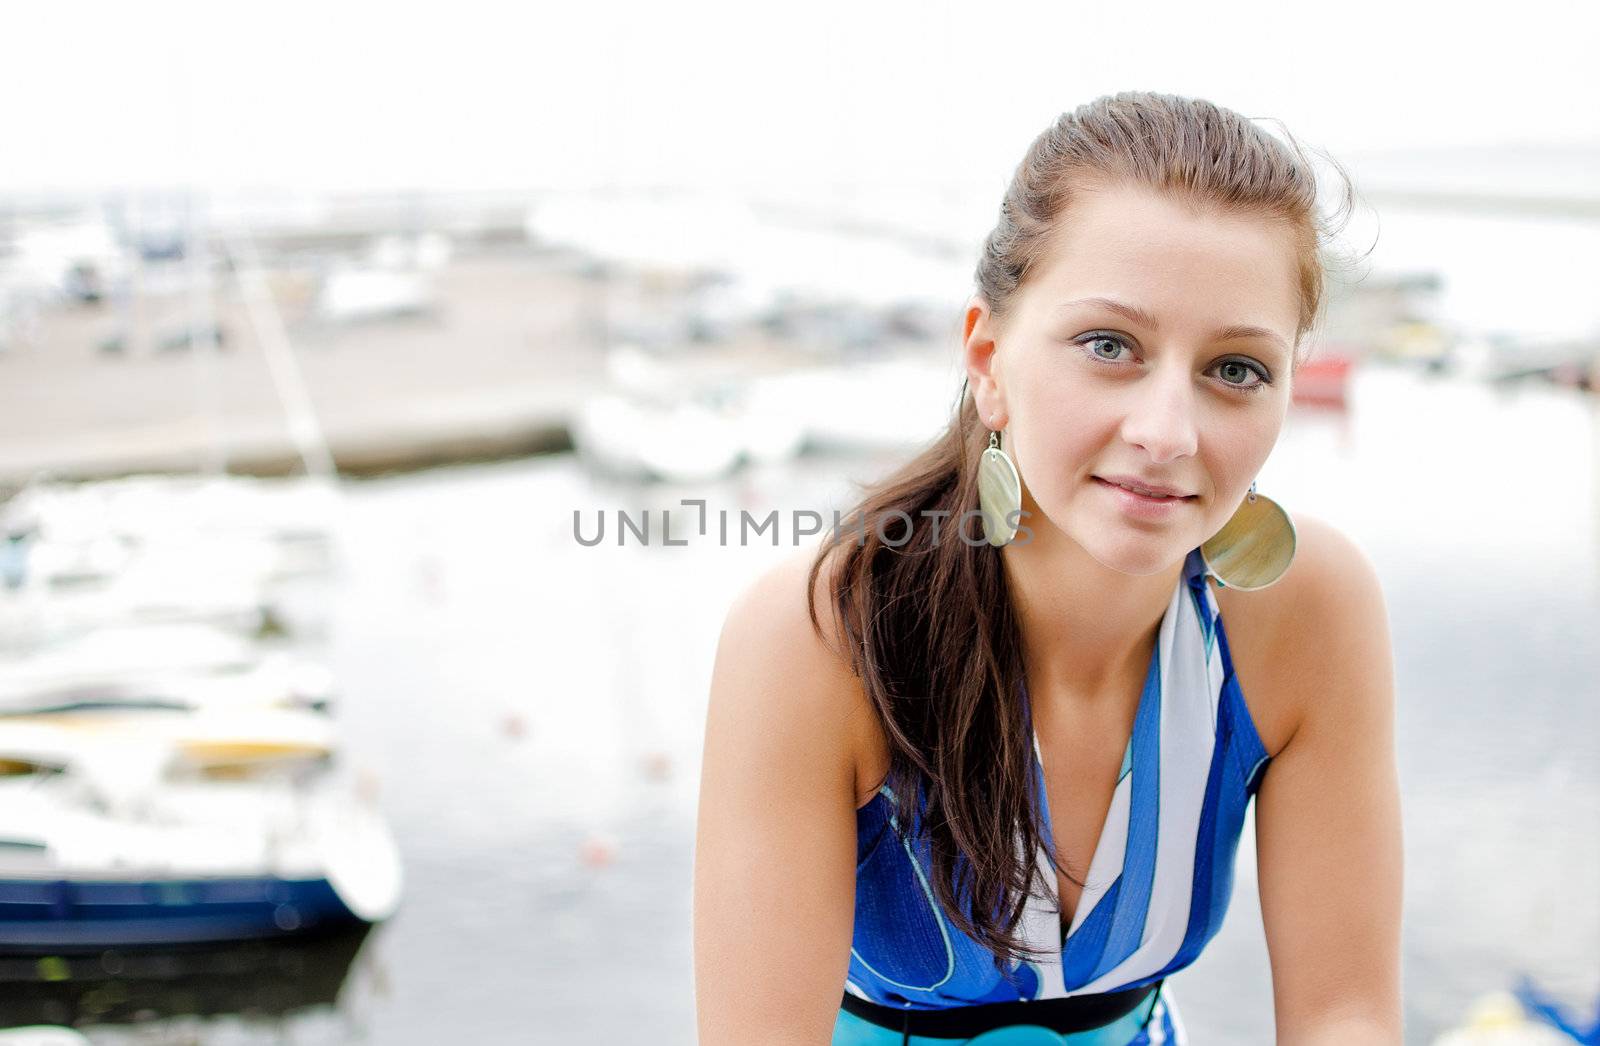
(1137, 557)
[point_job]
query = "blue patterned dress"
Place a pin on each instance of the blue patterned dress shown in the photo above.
(1158, 883)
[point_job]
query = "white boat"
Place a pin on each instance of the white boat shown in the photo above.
(143, 593)
(393, 277)
(632, 438)
(896, 403)
(192, 663)
(146, 828)
(91, 531)
(350, 294)
(667, 420)
(150, 549)
(663, 423)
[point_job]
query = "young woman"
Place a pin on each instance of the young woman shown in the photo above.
(992, 793)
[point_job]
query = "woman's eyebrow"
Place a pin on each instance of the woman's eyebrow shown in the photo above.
(1144, 318)
(1132, 312)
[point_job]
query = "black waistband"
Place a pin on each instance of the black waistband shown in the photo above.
(1073, 1013)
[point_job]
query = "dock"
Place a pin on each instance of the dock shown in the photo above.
(494, 370)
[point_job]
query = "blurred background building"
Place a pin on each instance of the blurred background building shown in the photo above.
(320, 330)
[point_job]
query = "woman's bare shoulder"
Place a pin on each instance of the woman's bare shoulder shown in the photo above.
(799, 668)
(771, 618)
(1292, 642)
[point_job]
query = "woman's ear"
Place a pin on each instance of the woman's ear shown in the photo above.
(982, 362)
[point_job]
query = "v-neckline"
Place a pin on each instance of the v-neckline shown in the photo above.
(1126, 768)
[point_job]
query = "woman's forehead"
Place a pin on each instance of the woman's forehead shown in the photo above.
(1156, 254)
(1124, 224)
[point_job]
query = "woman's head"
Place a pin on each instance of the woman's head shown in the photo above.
(1139, 310)
(1201, 155)
(1164, 205)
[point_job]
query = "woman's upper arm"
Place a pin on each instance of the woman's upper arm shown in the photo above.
(1328, 828)
(775, 845)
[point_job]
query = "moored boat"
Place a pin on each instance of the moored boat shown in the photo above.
(157, 828)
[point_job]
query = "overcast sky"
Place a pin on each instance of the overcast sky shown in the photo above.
(473, 95)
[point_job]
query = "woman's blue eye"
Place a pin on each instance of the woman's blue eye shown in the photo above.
(1101, 338)
(1235, 372)
(1244, 368)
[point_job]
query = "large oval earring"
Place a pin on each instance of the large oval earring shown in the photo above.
(1255, 546)
(999, 493)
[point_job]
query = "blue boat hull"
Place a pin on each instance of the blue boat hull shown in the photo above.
(84, 915)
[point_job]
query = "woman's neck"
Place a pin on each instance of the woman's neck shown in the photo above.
(1086, 628)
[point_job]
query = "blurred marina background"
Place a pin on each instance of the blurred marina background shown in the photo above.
(320, 332)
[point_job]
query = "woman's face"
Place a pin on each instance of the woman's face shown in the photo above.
(1181, 395)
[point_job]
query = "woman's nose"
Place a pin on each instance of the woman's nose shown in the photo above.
(1161, 417)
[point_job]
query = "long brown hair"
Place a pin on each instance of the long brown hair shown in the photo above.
(926, 614)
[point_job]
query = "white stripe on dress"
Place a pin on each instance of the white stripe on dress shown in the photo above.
(1188, 737)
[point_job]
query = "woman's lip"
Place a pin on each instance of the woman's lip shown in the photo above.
(1146, 497)
(1141, 506)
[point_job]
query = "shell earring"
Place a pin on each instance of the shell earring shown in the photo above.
(999, 493)
(1255, 546)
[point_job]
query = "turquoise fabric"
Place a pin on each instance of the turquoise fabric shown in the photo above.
(1154, 1022)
